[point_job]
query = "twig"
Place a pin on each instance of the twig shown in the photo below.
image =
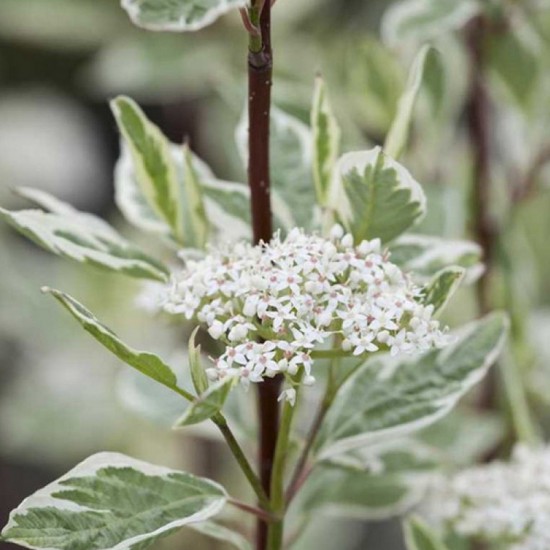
(260, 68)
(258, 512)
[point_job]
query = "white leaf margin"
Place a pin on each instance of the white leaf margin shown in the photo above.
(224, 6)
(359, 160)
(89, 467)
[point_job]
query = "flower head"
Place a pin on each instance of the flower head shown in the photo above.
(507, 503)
(295, 293)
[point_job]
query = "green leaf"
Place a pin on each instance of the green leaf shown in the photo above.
(111, 501)
(207, 404)
(227, 204)
(148, 364)
(370, 484)
(397, 137)
(440, 289)
(326, 140)
(375, 196)
(198, 374)
(418, 536)
(293, 190)
(222, 533)
(389, 397)
(178, 15)
(79, 236)
(425, 256)
(424, 20)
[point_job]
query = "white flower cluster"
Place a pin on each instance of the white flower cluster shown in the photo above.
(506, 503)
(272, 304)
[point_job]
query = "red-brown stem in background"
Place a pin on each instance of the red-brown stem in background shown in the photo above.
(260, 66)
(477, 113)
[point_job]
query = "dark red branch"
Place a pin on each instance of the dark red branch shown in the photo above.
(260, 66)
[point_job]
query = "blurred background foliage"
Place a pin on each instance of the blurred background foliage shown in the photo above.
(60, 63)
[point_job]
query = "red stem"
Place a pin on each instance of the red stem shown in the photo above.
(260, 64)
(259, 104)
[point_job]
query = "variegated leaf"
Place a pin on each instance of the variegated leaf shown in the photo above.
(423, 20)
(178, 15)
(374, 196)
(293, 190)
(326, 141)
(155, 171)
(207, 404)
(424, 255)
(370, 484)
(418, 536)
(227, 204)
(397, 137)
(148, 364)
(82, 237)
(389, 397)
(443, 285)
(112, 502)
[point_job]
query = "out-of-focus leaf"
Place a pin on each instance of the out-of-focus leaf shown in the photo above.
(82, 237)
(326, 140)
(424, 255)
(378, 79)
(464, 437)
(396, 139)
(374, 483)
(178, 15)
(111, 501)
(148, 364)
(423, 20)
(62, 25)
(443, 285)
(374, 196)
(390, 397)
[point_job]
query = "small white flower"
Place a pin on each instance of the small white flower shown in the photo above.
(288, 395)
(297, 293)
(216, 329)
